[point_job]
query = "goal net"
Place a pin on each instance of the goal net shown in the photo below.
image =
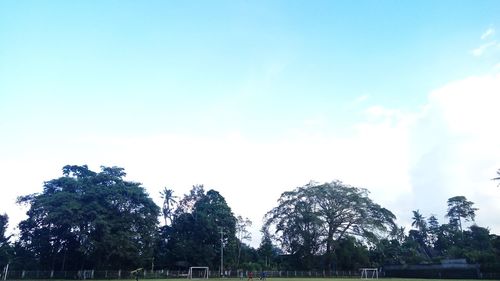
(198, 272)
(369, 273)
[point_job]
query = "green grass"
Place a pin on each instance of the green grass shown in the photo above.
(269, 279)
(317, 279)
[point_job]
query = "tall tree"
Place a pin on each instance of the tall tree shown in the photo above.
(195, 237)
(169, 201)
(419, 235)
(419, 221)
(433, 230)
(267, 251)
(398, 234)
(186, 204)
(313, 218)
(460, 208)
(88, 219)
(242, 233)
(5, 247)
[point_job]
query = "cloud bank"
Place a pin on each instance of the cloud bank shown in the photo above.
(408, 160)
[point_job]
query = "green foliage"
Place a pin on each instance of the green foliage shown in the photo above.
(351, 254)
(312, 219)
(268, 252)
(419, 221)
(459, 208)
(169, 203)
(6, 250)
(97, 220)
(242, 233)
(195, 235)
(89, 220)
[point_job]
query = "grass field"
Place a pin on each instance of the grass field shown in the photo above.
(336, 279)
(320, 279)
(270, 279)
(257, 279)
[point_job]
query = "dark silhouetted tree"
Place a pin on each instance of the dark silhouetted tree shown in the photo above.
(89, 219)
(312, 219)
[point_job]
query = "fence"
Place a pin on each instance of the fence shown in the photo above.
(182, 274)
(164, 274)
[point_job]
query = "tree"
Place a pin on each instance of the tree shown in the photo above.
(89, 219)
(5, 247)
(459, 208)
(242, 225)
(419, 221)
(398, 234)
(168, 204)
(267, 251)
(312, 219)
(195, 235)
(186, 204)
(419, 235)
(433, 230)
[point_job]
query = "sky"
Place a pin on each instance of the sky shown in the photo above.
(255, 98)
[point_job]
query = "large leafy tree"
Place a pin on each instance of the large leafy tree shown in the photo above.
(5, 247)
(88, 219)
(312, 219)
(195, 235)
(460, 208)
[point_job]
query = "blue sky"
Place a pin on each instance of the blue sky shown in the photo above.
(302, 86)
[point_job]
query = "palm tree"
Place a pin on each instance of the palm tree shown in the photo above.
(419, 221)
(168, 203)
(398, 233)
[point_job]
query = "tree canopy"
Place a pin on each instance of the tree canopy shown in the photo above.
(460, 208)
(195, 235)
(313, 219)
(5, 247)
(98, 220)
(88, 219)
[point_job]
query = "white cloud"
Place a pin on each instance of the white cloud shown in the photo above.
(362, 98)
(481, 50)
(488, 33)
(408, 160)
(455, 148)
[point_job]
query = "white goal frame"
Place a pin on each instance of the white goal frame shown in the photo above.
(205, 273)
(369, 273)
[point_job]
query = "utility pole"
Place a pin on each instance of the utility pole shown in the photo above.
(221, 252)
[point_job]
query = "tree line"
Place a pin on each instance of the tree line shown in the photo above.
(98, 220)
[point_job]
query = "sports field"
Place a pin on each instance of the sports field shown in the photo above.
(335, 279)
(270, 279)
(292, 279)
(329, 278)
(338, 279)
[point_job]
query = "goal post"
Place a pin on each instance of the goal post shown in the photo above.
(369, 273)
(198, 272)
